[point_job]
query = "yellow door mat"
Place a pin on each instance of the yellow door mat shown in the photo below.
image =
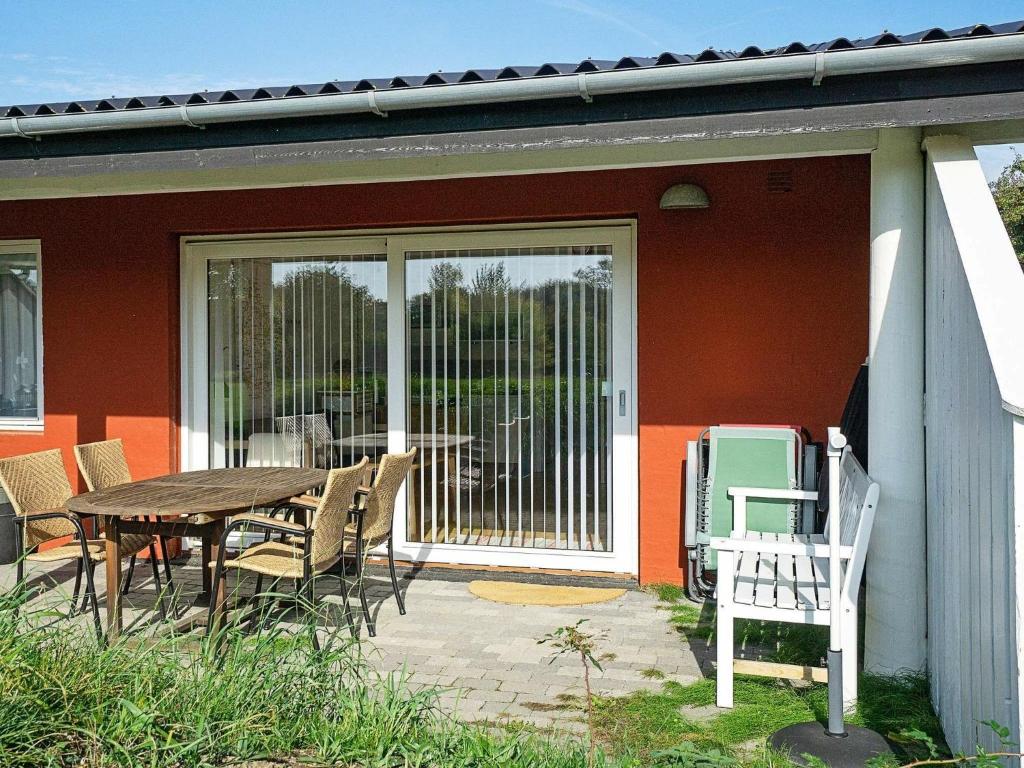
(541, 594)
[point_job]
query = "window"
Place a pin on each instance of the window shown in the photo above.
(21, 351)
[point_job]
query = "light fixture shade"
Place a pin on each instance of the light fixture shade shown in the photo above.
(684, 196)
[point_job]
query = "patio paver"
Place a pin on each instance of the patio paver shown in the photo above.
(486, 654)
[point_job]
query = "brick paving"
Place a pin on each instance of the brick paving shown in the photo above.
(484, 655)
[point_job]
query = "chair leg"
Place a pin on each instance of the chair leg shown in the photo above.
(78, 587)
(259, 576)
(156, 580)
(90, 591)
(128, 576)
(258, 588)
(218, 574)
(371, 630)
(19, 554)
(394, 578)
(260, 602)
(309, 586)
(724, 630)
(167, 564)
(85, 596)
(343, 588)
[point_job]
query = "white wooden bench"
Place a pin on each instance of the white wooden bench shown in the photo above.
(785, 577)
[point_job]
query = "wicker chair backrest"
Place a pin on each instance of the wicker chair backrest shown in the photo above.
(103, 464)
(331, 514)
(380, 503)
(36, 483)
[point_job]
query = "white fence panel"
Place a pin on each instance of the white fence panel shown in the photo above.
(974, 320)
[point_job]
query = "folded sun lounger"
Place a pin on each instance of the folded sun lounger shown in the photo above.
(749, 456)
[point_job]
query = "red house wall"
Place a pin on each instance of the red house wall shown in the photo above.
(753, 310)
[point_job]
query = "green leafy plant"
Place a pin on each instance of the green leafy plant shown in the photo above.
(570, 640)
(688, 755)
(981, 757)
(1008, 191)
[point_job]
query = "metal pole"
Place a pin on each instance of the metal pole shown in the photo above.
(836, 443)
(834, 745)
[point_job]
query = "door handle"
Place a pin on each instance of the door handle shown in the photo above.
(622, 402)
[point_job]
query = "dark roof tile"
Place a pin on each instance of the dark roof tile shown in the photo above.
(506, 73)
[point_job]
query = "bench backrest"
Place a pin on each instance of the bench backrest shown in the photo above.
(858, 500)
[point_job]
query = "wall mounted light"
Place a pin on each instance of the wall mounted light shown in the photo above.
(684, 196)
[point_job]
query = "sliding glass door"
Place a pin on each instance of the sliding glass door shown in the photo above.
(504, 357)
(509, 396)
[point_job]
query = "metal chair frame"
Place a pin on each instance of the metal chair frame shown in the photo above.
(90, 597)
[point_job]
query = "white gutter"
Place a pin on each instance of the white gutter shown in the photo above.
(585, 85)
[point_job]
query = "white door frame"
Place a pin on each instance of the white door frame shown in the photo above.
(619, 234)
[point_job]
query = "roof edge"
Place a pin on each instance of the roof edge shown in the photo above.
(815, 66)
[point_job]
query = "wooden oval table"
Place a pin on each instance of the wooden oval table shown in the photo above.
(187, 504)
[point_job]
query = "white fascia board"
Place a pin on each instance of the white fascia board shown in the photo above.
(343, 163)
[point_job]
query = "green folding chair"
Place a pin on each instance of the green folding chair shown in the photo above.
(750, 456)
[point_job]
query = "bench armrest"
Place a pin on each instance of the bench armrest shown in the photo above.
(722, 543)
(794, 494)
(740, 494)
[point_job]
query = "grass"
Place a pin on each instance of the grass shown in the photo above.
(66, 701)
(639, 726)
(783, 643)
(268, 695)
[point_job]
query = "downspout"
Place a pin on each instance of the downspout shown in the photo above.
(585, 85)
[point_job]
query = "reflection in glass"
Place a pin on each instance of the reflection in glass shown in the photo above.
(508, 370)
(19, 352)
(298, 356)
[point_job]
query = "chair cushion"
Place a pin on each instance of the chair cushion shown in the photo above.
(274, 558)
(132, 543)
(73, 551)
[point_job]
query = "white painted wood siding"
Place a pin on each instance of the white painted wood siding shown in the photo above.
(974, 372)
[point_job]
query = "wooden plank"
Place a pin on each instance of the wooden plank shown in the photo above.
(805, 591)
(746, 577)
(214, 491)
(783, 671)
(764, 592)
(819, 567)
(785, 594)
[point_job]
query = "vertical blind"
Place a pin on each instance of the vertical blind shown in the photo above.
(298, 358)
(508, 396)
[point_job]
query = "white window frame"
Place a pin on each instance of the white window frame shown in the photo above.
(196, 252)
(32, 248)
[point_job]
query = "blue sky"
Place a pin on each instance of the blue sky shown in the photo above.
(54, 50)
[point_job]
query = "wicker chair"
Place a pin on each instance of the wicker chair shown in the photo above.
(37, 486)
(103, 465)
(374, 519)
(307, 552)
